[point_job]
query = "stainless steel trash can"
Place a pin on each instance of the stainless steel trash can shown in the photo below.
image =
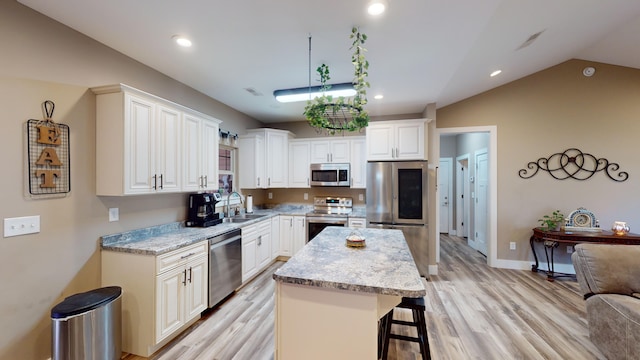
(88, 326)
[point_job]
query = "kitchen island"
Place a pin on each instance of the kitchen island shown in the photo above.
(329, 297)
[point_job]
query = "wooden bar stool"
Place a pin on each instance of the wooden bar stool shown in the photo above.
(417, 308)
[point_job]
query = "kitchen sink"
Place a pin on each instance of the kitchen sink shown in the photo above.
(243, 218)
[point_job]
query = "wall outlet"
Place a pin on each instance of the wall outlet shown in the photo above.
(270, 195)
(114, 214)
(569, 249)
(306, 196)
(512, 245)
(21, 225)
(360, 197)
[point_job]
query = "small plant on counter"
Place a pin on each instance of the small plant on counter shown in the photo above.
(553, 221)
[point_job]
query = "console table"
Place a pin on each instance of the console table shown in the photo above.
(551, 239)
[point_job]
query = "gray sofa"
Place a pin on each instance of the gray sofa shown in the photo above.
(609, 278)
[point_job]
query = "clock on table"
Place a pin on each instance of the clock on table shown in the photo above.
(582, 219)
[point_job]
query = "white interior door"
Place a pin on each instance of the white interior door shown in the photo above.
(445, 193)
(481, 209)
(462, 196)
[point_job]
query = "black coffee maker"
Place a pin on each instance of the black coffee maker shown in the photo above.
(202, 209)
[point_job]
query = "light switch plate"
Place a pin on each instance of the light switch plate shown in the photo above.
(114, 214)
(21, 225)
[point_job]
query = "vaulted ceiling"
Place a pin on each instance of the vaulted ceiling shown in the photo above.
(420, 51)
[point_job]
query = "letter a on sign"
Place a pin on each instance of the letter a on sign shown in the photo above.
(48, 156)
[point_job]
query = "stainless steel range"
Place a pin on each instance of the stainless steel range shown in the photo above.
(328, 211)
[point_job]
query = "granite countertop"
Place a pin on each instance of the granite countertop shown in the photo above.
(383, 266)
(157, 240)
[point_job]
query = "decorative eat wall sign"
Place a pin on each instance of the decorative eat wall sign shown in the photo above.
(48, 149)
(574, 164)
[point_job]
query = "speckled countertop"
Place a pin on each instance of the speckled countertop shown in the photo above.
(160, 239)
(383, 266)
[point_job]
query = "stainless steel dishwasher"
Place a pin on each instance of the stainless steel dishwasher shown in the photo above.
(225, 265)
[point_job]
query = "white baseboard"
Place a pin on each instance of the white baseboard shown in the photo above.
(526, 265)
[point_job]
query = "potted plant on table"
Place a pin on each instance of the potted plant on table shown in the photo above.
(553, 221)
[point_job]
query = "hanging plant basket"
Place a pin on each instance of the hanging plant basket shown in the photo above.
(333, 115)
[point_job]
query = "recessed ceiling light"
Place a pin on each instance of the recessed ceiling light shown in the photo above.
(376, 7)
(182, 41)
(378, 97)
(497, 72)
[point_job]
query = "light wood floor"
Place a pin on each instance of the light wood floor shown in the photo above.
(473, 312)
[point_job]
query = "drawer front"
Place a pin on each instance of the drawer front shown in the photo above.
(264, 227)
(178, 257)
(357, 222)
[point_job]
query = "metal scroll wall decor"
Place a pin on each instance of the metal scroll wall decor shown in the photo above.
(48, 151)
(574, 164)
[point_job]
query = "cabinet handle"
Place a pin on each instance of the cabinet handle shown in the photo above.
(268, 181)
(184, 282)
(190, 274)
(161, 182)
(206, 181)
(188, 255)
(258, 181)
(259, 240)
(291, 222)
(307, 181)
(155, 182)
(328, 158)
(200, 184)
(331, 157)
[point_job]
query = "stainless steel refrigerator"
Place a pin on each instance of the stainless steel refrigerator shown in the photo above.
(397, 199)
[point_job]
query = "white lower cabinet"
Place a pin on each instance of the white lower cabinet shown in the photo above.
(161, 295)
(256, 248)
(182, 296)
(275, 237)
(292, 234)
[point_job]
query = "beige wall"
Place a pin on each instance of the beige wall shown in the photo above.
(549, 112)
(44, 60)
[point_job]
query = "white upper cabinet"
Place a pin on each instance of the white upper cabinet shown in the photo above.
(358, 163)
(140, 142)
(200, 153)
(330, 151)
(397, 140)
(299, 163)
(263, 159)
(168, 144)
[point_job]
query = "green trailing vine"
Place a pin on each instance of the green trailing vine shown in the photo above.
(342, 114)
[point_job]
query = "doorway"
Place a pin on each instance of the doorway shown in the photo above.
(482, 189)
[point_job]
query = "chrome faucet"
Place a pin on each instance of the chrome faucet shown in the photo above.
(229, 197)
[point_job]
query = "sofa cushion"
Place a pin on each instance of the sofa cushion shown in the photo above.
(614, 325)
(607, 269)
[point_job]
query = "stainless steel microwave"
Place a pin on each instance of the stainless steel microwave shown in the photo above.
(330, 174)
